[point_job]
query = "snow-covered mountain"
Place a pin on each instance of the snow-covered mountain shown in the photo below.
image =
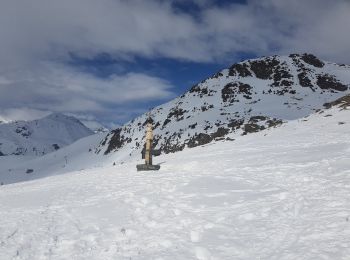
(3, 120)
(95, 126)
(40, 136)
(282, 193)
(250, 96)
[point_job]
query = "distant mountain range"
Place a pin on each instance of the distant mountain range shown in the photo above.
(40, 136)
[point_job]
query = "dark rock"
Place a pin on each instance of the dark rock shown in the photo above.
(24, 131)
(199, 139)
(156, 125)
(171, 145)
(236, 123)
(239, 69)
(304, 80)
(217, 75)
(312, 60)
(55, 146)
(281, 74)
(194, 88)
(206, 107)
(177, 113)
(274, 122)
(148, 120)
(166, 121)
(264, 69)
(326, 81)
(255, 119)
(28, 171)
(220, 132)
(252, 128)
(208, 126)
(193, 126)
(230, 91)
(117, 140)
(343, 102)
(294, 55)
(201, 91)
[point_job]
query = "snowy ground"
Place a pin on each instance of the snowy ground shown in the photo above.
(279, 196)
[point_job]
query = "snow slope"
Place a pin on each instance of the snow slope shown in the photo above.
(278, 194)
(40, 136)
(77, 156)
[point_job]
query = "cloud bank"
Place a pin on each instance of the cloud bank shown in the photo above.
(39, 36)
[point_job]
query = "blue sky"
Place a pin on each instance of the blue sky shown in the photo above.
(107, 61)
(181, 74)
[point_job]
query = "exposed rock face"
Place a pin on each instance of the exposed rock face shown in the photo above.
(250, 96)
(312, 60)
(231, 90)
(343, 102)
(239, 70)
(264, 68)
(304, 81)
(329, 82)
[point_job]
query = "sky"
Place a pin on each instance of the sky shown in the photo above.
(107, 61)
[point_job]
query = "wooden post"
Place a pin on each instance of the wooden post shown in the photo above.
(149, 139)
(148, 166)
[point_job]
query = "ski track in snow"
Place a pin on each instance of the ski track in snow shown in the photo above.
(284, 196)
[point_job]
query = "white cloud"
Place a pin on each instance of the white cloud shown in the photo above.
(60, 88)
(38, 36)
(39, 29)
(21, 113)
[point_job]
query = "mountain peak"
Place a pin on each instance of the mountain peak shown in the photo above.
(40, 136)
(248, 97)
(60, 116)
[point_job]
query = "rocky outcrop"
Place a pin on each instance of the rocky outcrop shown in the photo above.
(248, 97)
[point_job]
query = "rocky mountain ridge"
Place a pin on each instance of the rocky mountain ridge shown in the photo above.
(250, 96)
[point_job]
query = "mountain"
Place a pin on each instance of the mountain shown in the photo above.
(40, 136)
(3, 120)
(95, 126)
(248, 97)
(282, 193)
(219, 108)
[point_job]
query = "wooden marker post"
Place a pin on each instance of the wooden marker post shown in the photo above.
(149, 139)
(148, 166)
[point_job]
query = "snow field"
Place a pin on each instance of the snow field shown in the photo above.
(277, 194)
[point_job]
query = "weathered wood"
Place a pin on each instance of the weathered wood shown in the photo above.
(148, 166)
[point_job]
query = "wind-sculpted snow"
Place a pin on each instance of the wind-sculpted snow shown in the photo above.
(278, 194)
(248, 97)
(41, 136)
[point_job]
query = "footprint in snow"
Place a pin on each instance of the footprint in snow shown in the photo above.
(177, 212)
(195, 236)
(144, 201)
(282, 195)
(166, 243)
(202, 253)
